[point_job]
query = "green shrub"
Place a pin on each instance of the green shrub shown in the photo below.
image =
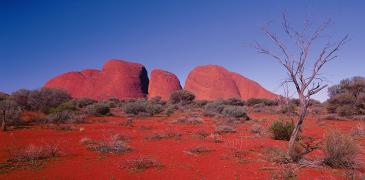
(340, 149)
(348, 97)
(201, 103)
(9, 113)
(181, 97)
(234, 102)
(267, 102)
(235, 111)
(214, 107)
(142, 106)
(46, 98)
(60, 117)
(281, 130)
(83, 102)
(98, 109)
(66, 106)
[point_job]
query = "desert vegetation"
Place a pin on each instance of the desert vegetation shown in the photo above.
(229, 129)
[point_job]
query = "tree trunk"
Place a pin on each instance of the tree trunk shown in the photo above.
(3, 124)
(297, 128)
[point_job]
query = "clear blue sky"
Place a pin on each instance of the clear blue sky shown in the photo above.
(41, 39)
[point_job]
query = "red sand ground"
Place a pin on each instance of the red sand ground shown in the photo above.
(77, 162)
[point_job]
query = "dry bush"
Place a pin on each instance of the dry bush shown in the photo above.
(113, 144)
(143, 107)
(332, 117)
(198, 150)
(188, 120)
(287, 172)
(281, 130)
(140, 164)
(182, 97)
(340, 149)
(202, 134)
(358, 130)
(167, 134)
(237, 150)
(31, 156)
(221, 129)
(98, 109)
(216, 138)
(277, 155)
(256, 129)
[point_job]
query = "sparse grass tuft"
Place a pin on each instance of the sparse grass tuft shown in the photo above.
(221, 129)
(340, 149)
(141, 164)
(198, 150)
(167, 134)
(113, 144)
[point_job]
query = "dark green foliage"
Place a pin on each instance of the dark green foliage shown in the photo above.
(98, 109)
(348, 97)
(181, 97)
(281, 130)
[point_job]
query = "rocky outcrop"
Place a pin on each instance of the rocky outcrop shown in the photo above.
(117, 79)
(162, 84)
(212, 82)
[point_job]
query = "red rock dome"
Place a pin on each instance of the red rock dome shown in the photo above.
(118, 78)
(162, 83)
(212, 82)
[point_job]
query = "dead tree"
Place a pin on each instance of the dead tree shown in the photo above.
(303, 72)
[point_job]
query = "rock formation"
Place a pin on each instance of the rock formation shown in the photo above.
(162, 83)
(212, 82)
(118, 79)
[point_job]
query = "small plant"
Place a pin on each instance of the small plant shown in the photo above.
(256, 129)
(340, 149)
(31, 156)
(141, 164)
(113, 144)
(221, 129)
(182, 97)
(216, 138)
(359, 130)
(202, 134)
(189, 121)
(198, 150)
(60, 117)
(277, 155)
(235, 111)
(168, 134)
(98, 109)
(281, 130)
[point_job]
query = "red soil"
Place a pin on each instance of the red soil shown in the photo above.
(77, 162)
(211, 82)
